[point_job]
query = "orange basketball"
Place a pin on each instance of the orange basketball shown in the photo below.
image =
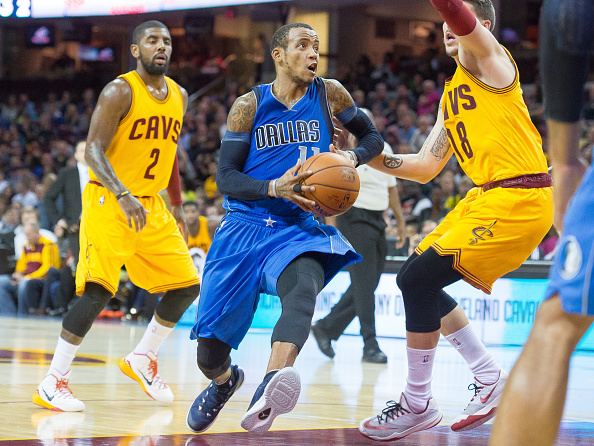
(336, 182)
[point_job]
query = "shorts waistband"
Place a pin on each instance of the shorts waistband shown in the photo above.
(273, 221)
(528, 181)
(97, 183)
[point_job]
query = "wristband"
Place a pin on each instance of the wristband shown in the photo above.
(122, 194)
(274, 189)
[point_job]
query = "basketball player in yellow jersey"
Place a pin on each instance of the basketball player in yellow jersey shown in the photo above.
(483, 121)
(131, 151)
(200, 230)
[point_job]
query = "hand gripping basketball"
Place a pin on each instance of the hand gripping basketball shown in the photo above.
(335, 182)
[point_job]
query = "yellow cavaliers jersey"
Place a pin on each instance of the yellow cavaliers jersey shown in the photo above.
(202, 239)
(490, 129)
(143, 148)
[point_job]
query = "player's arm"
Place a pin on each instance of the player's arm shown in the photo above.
(370, 142)
(479, 51)
(423, 166)
(112, 105)
(395, 205)
(174, 186)
(234, 151)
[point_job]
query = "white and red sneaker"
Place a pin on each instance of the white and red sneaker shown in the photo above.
(397, 421)
(53, 393)
(482, 405)
(143, 369)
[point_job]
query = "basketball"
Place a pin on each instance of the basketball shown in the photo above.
(336, 182)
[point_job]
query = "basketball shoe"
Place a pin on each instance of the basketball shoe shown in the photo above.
(208, 404)
(482, 405)
(143, 369)
(397, 421)
(53, 393)
(277, 394)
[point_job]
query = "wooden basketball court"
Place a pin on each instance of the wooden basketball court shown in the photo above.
(336, 394)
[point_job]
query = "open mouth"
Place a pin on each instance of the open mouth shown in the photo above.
(313, 68)
(450, 37)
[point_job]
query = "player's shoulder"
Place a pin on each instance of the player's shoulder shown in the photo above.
(242, 113)
(338, 96)
(117, 88)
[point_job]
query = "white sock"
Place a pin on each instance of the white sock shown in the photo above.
(418, 381)
(63, 356)
(481, 362)
(153, 337)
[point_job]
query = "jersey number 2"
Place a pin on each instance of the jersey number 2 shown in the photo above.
(154, 154)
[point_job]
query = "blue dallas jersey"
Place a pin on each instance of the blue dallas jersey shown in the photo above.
(280, 137)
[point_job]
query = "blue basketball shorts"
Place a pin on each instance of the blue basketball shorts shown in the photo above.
(571, 274)
(247, 255)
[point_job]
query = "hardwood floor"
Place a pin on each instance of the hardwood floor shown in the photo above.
(336, 394)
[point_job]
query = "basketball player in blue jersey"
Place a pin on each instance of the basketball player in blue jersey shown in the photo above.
(532, 404)
(269, 240)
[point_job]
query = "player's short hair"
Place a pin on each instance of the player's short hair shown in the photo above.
(484, 10)
(280, 38)
(140, 29)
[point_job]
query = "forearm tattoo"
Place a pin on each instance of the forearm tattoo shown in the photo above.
(392, 161)
(441, 146)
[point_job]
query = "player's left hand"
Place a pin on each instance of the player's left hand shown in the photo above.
(178, 214)
(348, 154)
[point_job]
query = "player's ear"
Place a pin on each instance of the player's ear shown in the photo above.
(277, 54)
(135, 50)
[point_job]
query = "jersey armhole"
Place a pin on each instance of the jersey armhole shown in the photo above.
(129, 112)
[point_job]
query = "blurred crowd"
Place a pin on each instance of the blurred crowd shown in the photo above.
(38, 140)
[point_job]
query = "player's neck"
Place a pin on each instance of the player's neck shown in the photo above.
(155, 83)
(287, 91)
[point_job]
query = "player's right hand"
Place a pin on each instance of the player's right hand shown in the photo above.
(285, 188)
(134, 212)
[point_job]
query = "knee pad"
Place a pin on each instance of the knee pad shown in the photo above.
(85, 310)
(298, 287)
(175, 302)
(213, 357)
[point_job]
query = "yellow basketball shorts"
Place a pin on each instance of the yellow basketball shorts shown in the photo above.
(492, 233)
(156, 258)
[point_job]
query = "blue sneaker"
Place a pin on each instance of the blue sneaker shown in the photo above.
(277, 394)
(209, 403)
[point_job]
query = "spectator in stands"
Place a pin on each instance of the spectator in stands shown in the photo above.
(38, 255)
(429, 99)
(28, 214)
(424, 127)
(24, 194)
(406, 125)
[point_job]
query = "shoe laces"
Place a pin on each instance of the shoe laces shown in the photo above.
(63, 390)
(152, 371)
(394, 410)
(476, 389)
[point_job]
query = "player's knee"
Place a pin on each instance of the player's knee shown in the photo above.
(85, 310)
(175, 302)
(553, 325)
(213, 357)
